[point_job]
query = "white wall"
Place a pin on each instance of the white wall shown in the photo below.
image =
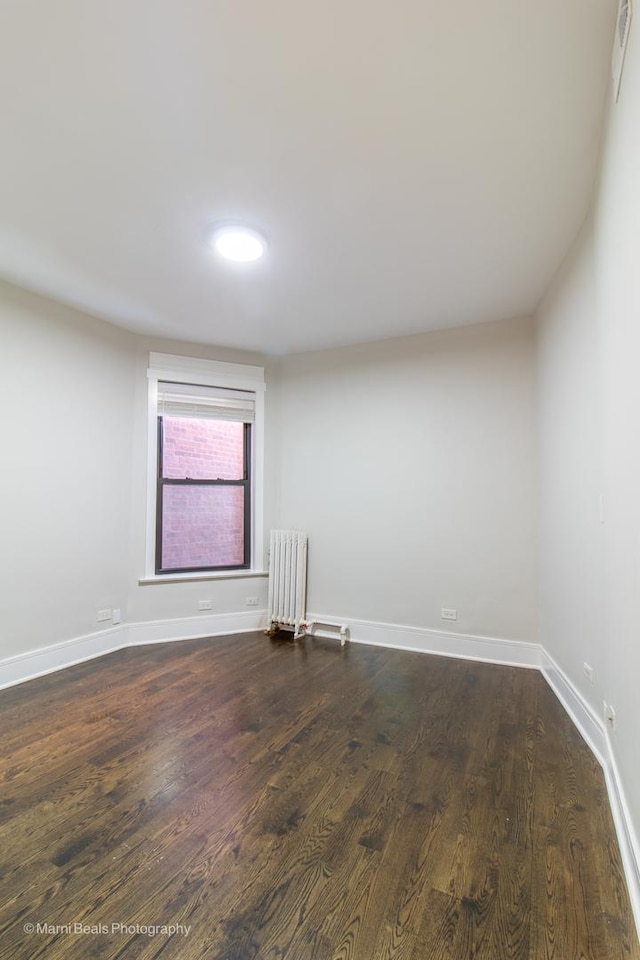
(589, 345)
(66, 390)
(571, 480)
(73, 479)
(430, 436)
(411, 464)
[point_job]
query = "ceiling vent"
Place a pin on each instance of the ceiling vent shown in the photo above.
(623, 26)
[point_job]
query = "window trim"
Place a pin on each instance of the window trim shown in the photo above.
(212, 373)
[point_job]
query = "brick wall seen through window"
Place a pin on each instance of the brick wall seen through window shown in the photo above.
(202, 526)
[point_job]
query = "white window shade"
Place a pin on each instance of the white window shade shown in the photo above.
(213, 403)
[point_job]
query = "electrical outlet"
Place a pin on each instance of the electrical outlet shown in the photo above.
(449, 614)
(115, 616)
(588, 670)
(252, 601)
(103, 615)
(609, 715)
(205, 604)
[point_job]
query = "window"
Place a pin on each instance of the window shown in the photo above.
(205, 440)
(203, 499)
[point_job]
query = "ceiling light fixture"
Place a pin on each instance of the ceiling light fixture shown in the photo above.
(240, 244)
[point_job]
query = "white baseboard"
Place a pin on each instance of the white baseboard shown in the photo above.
(513, 653)
(37, 663)
(627, 838)
(188, 628)
(595, 734)
(584, 717)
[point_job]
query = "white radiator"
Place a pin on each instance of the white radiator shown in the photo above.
(288, 580)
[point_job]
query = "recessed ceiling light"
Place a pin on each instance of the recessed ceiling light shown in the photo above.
(238, 243)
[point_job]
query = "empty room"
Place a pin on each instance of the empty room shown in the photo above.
(320, 523)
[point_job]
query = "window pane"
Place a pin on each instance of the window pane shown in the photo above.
(202, 449)
(202, 527)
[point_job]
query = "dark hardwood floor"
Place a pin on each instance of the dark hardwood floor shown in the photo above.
(302, 802)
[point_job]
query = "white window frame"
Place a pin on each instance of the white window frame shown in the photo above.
(210, 373)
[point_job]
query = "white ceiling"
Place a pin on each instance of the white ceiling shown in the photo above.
(414, 165)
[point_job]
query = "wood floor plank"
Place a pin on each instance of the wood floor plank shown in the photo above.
(302, 802)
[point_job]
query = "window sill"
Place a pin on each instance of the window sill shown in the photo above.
(202, 575)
